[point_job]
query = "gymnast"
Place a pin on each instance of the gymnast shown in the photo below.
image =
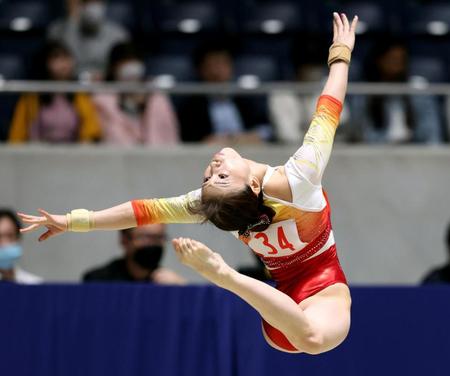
(282, 213)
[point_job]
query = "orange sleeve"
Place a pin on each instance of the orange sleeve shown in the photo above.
(329, 109)
(166, 210)
(311, 159)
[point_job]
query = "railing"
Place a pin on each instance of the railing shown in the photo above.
(416, 87)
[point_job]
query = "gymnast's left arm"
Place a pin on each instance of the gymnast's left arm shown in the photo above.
(312, 157)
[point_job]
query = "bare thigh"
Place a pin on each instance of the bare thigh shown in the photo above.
(328, 311)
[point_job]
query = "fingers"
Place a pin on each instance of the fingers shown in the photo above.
(46, 235)
(354, 23)
(338, 23)
(341, 23)
(30, 228)
(45, 214)
(345, 22)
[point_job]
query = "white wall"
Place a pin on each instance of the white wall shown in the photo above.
(390, 206)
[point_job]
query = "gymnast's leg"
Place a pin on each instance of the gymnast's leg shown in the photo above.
(317, 324)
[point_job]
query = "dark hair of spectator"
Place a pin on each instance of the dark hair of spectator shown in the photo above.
(381, 47)
(375, 103)
(119, 53)
(7, 213)
(234, 211)
(212, 46)
(50, 49)
(309, 50)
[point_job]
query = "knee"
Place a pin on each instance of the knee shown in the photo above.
(312, 344)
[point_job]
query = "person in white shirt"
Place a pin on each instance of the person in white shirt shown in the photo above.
(11, 251)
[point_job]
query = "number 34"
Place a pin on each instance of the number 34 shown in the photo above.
(283, 242)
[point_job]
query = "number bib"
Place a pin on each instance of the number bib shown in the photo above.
(280, 239)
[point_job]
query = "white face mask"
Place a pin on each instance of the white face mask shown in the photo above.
(93, 13)
(132, 71)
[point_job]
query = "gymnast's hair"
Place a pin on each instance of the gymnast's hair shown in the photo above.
(241, 211)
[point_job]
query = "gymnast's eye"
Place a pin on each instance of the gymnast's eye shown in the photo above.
(223, 176)
(205, 179)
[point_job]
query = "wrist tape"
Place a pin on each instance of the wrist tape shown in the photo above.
(339, 52)
(80, 220)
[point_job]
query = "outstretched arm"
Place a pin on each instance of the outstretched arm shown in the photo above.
(312, 157)
(130, 214)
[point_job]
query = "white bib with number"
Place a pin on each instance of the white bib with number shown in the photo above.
(280, 239)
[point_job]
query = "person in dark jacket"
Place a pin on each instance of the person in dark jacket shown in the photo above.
(222, 119)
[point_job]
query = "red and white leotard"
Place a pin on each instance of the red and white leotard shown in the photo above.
(298, 248)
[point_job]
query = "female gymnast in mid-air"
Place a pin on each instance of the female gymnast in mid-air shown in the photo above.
(282, 213)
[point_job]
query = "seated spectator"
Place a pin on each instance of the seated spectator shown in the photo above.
(143, 248)
(89, 35)
(222, 118)
(58, 117)
(396, 118)
(11, 251)
(130, 119)
(292, 113)
(440, 274)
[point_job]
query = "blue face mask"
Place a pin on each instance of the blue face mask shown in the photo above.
(9, 254)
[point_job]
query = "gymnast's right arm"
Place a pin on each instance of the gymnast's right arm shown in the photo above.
(129, 214)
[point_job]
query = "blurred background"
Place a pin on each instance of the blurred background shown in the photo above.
(105, 101)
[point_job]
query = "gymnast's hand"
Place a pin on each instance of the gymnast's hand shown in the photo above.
(203, 260)
(55, 224)
(343, 31)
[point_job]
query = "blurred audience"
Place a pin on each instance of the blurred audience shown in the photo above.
(291, 113)
(440, 274)
(11, 250)
(143, 248)
(57, 117)
(222, 118)
(89, 34)
(396, 118)
(134, 118)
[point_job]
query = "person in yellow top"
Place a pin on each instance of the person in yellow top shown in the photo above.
(54, 118)
(281, 212)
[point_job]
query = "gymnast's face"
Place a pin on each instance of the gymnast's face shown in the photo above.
(227, 172)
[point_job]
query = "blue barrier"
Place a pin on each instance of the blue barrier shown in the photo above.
(132, 330)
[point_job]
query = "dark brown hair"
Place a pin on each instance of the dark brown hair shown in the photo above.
(237, 211)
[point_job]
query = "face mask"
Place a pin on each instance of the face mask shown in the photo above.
(132, 71)
(9, 254)
(93, 14)
(149, 256)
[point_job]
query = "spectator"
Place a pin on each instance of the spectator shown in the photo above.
(89, 35)
(143, 248)
(11, 251)
(221, 118)
(129, 119)
(291, 114)
(396, 118)
(440, 274)
(59, 117)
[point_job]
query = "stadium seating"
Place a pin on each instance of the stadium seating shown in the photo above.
(179, 67)
(271, 18)
(24, 15)
(432, 19)
(11, 67)
(431, 69)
